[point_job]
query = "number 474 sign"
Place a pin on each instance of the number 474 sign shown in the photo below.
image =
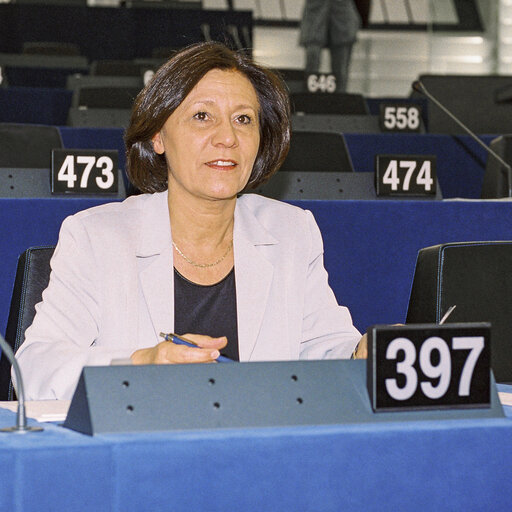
(405, 175)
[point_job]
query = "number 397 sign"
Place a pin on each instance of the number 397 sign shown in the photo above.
(429, 366)
(80, 171)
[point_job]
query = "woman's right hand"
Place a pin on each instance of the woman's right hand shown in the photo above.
(167, 352)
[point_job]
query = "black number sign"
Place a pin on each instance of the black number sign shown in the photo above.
(79, 171)
(405, 175)
(321, 83)
(429, 366)
(400, 117)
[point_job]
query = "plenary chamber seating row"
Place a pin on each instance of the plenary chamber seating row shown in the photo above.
(102, 32)
(320, 164)
(100, 96)
(482, 103)
(26, 160)
(317, 165)
(104, 97)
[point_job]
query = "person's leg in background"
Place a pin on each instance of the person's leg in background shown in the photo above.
(340, 63)
(313, 53)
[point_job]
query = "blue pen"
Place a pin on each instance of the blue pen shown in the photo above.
(170, 336)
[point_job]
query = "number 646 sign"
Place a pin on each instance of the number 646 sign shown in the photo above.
(429, 366)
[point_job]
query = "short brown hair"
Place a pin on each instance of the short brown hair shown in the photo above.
(146, 169)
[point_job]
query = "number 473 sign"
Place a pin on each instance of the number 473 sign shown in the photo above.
(81, 171)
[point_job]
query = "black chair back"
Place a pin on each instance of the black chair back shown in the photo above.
(28, 145)
(329, 103)
(50, 48)
(476, 277)
(481, 102)
(109, 67)
(32, 277)
(119, 97)
(496, 178)
(336, 123)
(314, 151)
(99, 117)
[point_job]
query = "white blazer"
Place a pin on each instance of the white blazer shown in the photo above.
(111, 291)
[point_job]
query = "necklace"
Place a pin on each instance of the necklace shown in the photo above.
(203, 265)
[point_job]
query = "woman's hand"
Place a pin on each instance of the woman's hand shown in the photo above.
(362, 348)
(167, 352)
(361, 351)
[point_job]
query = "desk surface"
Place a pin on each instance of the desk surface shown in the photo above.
(429, 466)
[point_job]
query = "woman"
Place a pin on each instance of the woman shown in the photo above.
(239, 275)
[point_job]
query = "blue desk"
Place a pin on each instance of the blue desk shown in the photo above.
(370, 246)
(34, 105)
(455, 465)
(460, 160)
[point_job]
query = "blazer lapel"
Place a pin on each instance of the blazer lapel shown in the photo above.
(155, 263)
(253, 272)
(253, 276)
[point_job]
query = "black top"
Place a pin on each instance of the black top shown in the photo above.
(207, 309)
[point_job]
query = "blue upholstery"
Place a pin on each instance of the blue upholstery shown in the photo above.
(37, 105)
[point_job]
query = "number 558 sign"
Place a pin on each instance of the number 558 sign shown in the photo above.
(429, 366)
(400, 117)
(80, 171)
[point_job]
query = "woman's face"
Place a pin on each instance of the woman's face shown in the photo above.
(211, 140)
